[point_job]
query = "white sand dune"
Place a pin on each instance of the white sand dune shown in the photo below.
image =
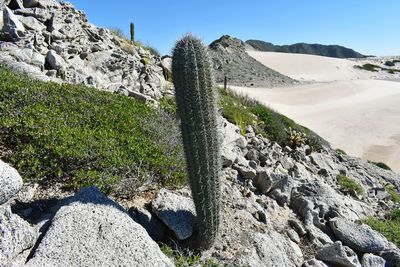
(309, 67)
(346, 107)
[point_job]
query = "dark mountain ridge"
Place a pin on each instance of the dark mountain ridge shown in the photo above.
(336, 51)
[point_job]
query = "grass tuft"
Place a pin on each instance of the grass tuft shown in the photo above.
(346, 183)
(244, 111)
(390, 227)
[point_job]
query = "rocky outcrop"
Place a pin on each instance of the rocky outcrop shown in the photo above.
(91, 230)
(230, 60)
(53, 41)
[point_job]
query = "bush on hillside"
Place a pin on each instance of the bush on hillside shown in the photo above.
(389, 227)
(81, 136)
(244, 111)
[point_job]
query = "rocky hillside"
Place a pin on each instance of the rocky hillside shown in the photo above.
(230, 60)
(303, 48)
(281, 205)
(53, 41)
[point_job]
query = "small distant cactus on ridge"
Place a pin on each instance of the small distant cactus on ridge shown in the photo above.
(132, 32)
(197, 108)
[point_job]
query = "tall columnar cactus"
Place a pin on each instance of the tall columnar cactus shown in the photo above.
(196, 105)
(132, 32)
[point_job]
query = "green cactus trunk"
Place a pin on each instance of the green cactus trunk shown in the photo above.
(196, 106)
(132, 33)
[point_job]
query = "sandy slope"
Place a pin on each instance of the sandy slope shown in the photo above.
(360, 116)
(310, 67)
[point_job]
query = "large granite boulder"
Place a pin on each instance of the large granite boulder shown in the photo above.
(92, 230)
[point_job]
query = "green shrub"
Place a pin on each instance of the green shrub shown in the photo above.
(244, 111)
(340, 151)
(186, 258)
(82, 136)
(369, 67)
(390, 227)
(168, 104)
(346, 183)
(395, 197)
(381, 165)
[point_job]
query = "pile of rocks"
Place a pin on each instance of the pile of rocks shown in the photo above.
(53, 41)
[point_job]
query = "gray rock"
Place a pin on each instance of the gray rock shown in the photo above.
(31, 3)
(321, 202)
(392, 257)
(10, 182)
(54, 60)
(14, 4)
(11, 24)
(23, 68)
(287, 163)
(271, 249)
(339, 255)
(359, 237)
(16, 236)
(176, 211)
(371, 260)
(37, 59)
(246, 172)
(292, 234)
(263, 181)
(31, 23)
(92, 230)
(314, 263)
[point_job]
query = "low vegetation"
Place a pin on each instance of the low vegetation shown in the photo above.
(394, 196)
(244, 111)
(381, 165)
(340, 151)
(348, 184)
(389, 227)
(82, 136)
(128, 46)
(376, 68)
(186, 258)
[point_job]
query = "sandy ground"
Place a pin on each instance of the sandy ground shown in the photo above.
(347, 107)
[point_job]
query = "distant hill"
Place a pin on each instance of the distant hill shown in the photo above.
(303, 48)
(230, 60)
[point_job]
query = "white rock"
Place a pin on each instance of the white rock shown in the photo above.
(339, 255)
(16, 235)
(10, 182)
(92, 230)
(55, 61)
(176, 211)
(371, 260)
(31, 23)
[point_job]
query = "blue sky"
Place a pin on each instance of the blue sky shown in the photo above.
(368, 26)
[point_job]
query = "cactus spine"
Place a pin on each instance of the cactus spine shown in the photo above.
(132, 32)
(196, 105)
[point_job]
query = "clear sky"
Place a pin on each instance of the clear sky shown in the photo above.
(368, 26)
